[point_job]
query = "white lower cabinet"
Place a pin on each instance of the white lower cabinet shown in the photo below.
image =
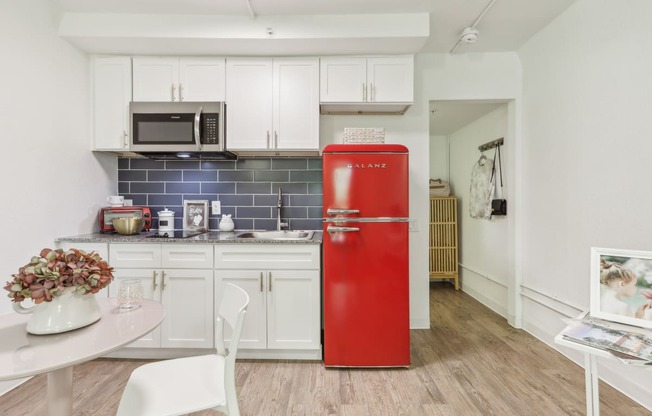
(180, 276)
(283, 282)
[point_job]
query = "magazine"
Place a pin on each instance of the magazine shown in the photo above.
(632, 343)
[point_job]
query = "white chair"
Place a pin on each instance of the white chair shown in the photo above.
(185, 385)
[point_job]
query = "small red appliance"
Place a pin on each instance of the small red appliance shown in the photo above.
(107, 214)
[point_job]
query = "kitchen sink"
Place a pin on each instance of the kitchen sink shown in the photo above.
(276, 235)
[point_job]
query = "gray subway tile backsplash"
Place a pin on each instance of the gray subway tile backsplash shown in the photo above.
(182, 188)
(200, 175)
(247, 189)
(163, 175)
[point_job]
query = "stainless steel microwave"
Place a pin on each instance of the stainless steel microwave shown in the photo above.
(177, 129)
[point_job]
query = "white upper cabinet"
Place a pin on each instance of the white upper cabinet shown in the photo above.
(296, 104)
(111, 96)
(202, 79)
(179, 79)
(343, 80)
(272, 104)
(367, 85)
(249, 103)
(390, 79)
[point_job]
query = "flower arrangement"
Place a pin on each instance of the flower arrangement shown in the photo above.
(48, 274)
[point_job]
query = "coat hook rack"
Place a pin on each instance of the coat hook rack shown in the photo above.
(492, 144)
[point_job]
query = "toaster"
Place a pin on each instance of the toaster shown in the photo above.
(107, 214)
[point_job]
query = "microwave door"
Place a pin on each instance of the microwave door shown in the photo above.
(198, 142)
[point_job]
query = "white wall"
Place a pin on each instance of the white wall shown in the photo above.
(483, 255)
(439, 157)
(52, 185)
(586, 159)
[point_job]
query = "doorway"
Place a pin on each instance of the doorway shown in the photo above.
(486, 247)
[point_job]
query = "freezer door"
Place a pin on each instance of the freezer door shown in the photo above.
(366, 295)
(372, 184)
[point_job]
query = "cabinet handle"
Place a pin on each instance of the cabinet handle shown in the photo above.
(364, 92)
(261, 281)
(372, 95)
(275, 140)
(173, 92)
(270, 281)
(154, 280)
(163, 281)
(125, 140)
(180, 92)
(268, 139)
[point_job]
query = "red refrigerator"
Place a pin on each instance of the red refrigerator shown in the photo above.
(366, 269)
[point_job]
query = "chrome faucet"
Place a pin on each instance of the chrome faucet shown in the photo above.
(280, 225)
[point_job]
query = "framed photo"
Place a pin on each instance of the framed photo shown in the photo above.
(195, 215)
(621, 286)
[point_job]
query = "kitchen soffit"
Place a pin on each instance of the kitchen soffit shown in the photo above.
(301, 27)
(235, 35)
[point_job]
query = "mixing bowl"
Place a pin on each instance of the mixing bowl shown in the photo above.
(128, 225)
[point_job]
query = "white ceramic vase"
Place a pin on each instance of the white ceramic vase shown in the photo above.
(64, 313)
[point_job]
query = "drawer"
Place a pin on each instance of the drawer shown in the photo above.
(187, 256)
(266, 256)
(135, 255)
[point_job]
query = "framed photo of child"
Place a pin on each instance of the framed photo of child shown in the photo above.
(195, 215)
(621, 286)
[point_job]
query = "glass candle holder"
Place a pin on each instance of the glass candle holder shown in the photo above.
(130, 294)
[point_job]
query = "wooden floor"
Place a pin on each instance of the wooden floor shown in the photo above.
(471, 362)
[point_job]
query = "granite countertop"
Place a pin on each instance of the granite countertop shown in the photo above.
(210, 237)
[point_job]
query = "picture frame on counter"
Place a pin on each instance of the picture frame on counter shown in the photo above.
(195, 214)
(621, 286)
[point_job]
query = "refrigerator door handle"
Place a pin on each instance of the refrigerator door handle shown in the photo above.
(334, 229)
(335, 211)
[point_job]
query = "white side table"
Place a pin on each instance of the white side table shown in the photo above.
(591, 356)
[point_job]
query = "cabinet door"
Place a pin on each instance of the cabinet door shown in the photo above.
(343, 80)
(156, 79)
(202, 79)
(293, 304)
(151, 280)
(188, 299)
(296, 104)
(111, 96)
(254, 330)
(249, 103)
(390, 79)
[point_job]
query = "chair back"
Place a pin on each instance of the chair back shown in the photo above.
(232, 312)
(234, 301)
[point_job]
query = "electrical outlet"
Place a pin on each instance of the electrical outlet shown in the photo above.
(216, 208)
(414, 225)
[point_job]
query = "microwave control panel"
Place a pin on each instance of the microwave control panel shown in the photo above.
(210, 127)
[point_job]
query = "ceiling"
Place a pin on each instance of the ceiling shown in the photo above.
(447, 117)
(504, 27)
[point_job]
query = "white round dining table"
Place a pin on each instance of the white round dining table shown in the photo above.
(23, 354)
